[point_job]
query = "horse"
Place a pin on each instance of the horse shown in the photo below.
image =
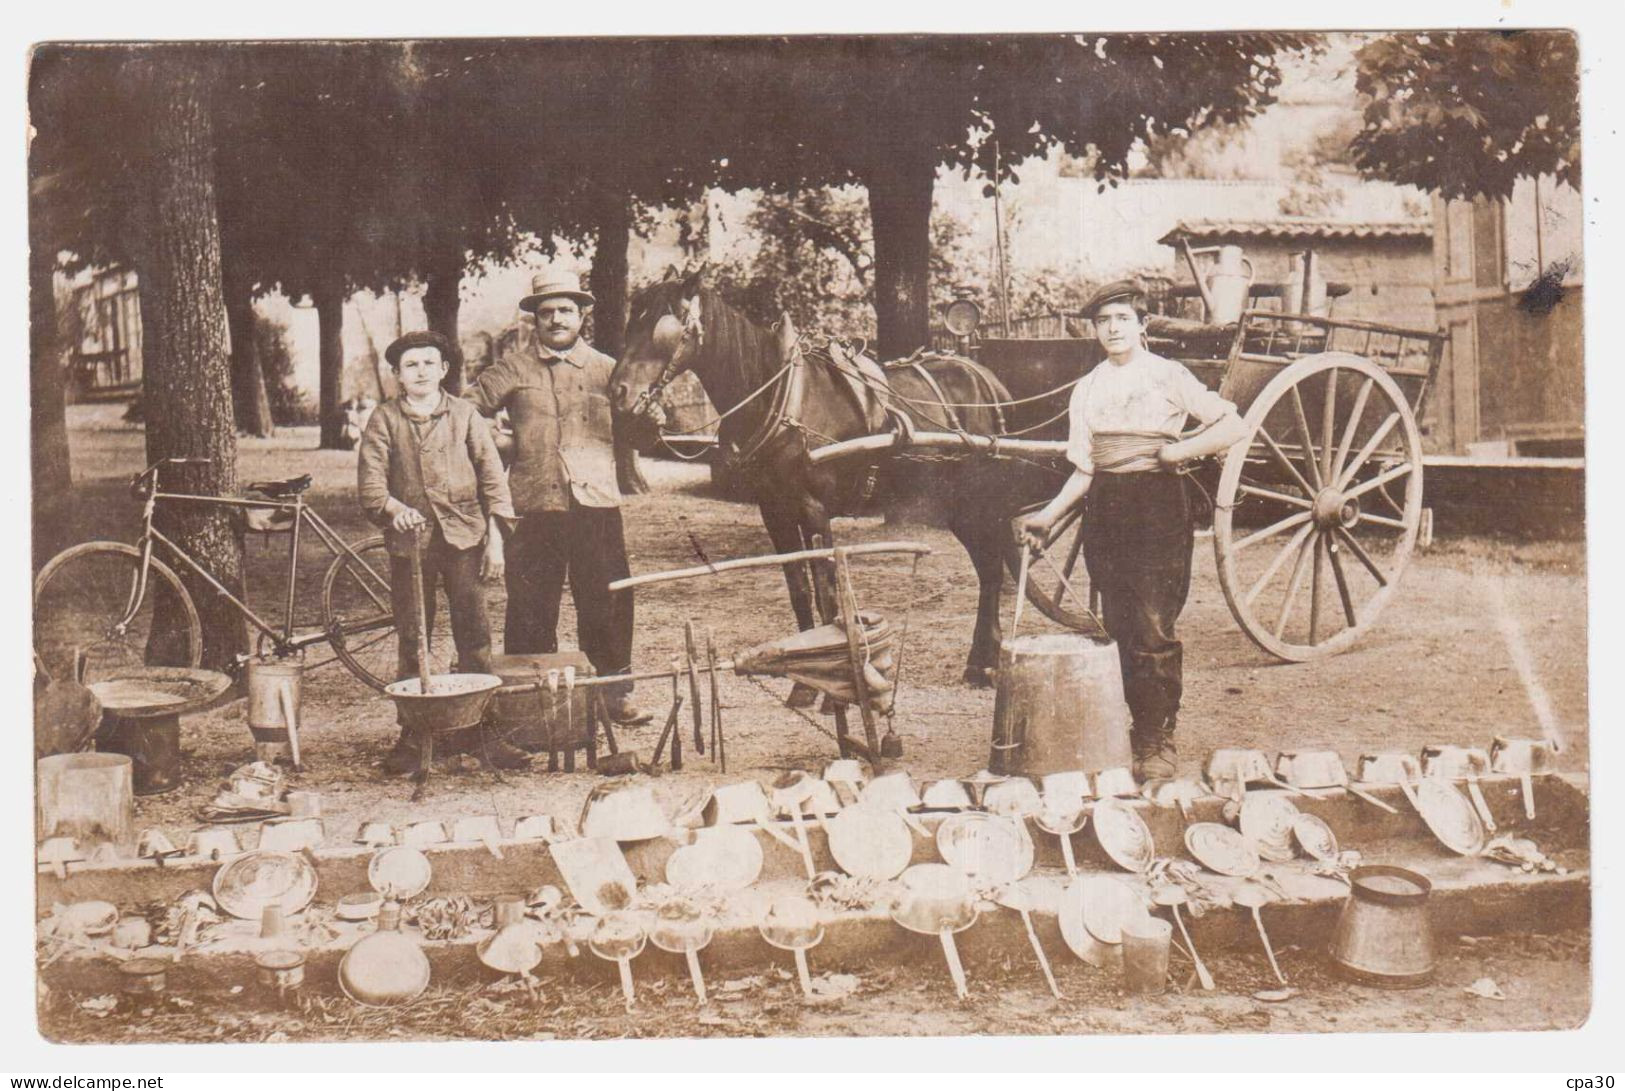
(780, 399)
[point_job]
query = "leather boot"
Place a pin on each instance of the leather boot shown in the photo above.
(403, 759)
(500, 754)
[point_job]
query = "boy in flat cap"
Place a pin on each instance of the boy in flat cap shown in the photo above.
(556, 392)
(1123, 442)
(429, 474)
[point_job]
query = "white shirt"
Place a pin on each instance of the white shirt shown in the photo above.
(1150, 393)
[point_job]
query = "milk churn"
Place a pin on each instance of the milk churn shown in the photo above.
(1229, 282)
(1059, 706)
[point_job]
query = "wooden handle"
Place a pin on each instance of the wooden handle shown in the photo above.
(1258, 919)
(420, 648)
(1202, 973)
(955, 968)
(627, 991)
(691, 643)
(1043, 960)
(694, 974)
(285, 696)
(771, 561)
(801, 972)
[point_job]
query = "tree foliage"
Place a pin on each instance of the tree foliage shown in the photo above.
(1468, 113)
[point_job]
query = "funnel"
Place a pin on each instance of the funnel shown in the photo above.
(512, 949)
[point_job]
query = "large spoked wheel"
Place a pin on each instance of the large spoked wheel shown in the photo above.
(1327, 491)
(360, 621)
(81, 598)
(1045, 589)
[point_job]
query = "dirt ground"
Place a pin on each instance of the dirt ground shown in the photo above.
(1437, 668)
(1542, 978)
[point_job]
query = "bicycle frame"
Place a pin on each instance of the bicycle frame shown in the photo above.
(284, 640)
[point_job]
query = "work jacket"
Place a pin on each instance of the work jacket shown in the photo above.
(447, 467)
(564, 446)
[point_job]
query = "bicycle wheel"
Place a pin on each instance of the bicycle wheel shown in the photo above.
(81, 597)
(357, 614)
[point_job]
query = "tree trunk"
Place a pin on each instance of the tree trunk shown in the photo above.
(609, 287)
(441, 302)
(47, 383)
(187, 381)
(900, 213)
(329, 299)
(248, 395)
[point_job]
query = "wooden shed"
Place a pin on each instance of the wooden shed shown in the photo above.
(1509, 279)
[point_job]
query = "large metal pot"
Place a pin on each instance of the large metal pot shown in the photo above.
(1384, 936)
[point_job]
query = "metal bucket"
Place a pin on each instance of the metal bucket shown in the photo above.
(86, 796)
(1059, 707)
(535, 718)
(266, 679)
(1384, 936)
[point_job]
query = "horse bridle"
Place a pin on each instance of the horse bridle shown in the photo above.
(692, 338)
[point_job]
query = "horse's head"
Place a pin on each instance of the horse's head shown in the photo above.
(665, 332)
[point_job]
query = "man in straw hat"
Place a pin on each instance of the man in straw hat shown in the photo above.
(556, 392)
(1123, 442)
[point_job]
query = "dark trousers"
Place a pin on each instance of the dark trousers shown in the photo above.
(589, 546)
(1137, 545)
(458, 571)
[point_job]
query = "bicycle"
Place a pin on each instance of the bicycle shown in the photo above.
(119, 605)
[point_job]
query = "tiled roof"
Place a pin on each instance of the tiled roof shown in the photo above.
(1296, 228)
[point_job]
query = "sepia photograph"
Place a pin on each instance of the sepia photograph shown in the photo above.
(556, 539)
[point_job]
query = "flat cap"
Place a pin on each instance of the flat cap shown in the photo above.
(418, 339)
(1118, 291)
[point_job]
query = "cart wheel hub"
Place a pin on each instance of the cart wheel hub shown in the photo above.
(1334, 509)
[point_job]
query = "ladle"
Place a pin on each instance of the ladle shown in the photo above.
(1173, 896)
(1252, 896)
(1018, 896)
(682, 929)
(1063, 826)
(792, 925)
(619, 938)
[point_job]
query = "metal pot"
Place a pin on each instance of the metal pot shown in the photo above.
(1384, 936)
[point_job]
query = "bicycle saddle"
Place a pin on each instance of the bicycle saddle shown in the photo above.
(293, 486)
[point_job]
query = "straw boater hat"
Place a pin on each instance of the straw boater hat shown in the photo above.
(546, 285)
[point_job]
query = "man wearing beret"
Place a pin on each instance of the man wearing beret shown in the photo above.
(429, 474)
(1124, 446)
(556, 392)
